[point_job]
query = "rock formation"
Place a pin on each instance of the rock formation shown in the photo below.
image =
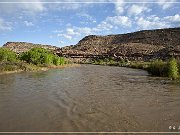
(141, 45)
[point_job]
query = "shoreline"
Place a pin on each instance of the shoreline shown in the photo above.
(40, 69)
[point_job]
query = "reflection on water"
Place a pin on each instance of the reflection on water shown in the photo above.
(88, 98)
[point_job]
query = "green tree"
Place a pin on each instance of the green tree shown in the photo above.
(7, 55)
(173, 69)
(41, 56)
(36, 56)
(58, 60)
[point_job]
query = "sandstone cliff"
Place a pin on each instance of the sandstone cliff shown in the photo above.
(141, 45)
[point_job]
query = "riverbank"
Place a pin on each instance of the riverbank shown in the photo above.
(36, 59)
(15, 67)
(169, 68)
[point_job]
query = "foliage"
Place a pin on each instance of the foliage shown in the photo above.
(173, 69)
(16, 66)
(7, 66)
(139, 65)
(59, 61)
(7, 55)
(39, 56)
(158, 68)
(178, 62)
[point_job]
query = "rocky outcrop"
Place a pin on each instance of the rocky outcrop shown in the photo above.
(141, 45)
(20, 47)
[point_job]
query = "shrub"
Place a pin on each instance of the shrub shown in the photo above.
(173, 69)
(178, 66)
(158, 68)
(59, 61)
(41, 56)
(48, 59)
(7, 55)
(36, 56)
(6, 66)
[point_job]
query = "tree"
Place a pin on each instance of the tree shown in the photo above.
(41, 56)
(7, 55)
(173, 69)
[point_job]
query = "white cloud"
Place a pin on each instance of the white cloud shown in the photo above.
(150, 23)
(29, 8)
(175, 18)
(119, 6)
(4, 26)
(35, 7)
(103, 26)
(165, 4)
(71, 31)
(86, 18)
(27, 23)
(84, 30)
(123, 21)
(153, 22)
(137, 9)
(106, 26)
(65, 36)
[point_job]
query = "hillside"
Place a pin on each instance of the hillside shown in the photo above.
(19, 47)
(141, 45)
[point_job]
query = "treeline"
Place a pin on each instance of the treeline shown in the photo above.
(30, 60)
(40, 56)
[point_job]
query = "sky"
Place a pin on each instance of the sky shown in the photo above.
(65, 22)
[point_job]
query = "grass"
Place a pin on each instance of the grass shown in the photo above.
(18, 66)
(108, 61)
(170, 68)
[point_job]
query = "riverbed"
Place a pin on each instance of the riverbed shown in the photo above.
(88, 98)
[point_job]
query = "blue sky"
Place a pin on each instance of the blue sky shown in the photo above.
(65, 23)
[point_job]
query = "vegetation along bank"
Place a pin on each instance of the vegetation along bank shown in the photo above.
(32, 60)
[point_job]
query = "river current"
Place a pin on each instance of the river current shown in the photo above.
(88, 98)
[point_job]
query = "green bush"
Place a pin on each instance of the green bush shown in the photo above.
(158, 68)
(48, 59)
(7, 55)
(35, 56)
(139, 65)
(59, 61)
(40, 56)
(178, 66)
(173, 69)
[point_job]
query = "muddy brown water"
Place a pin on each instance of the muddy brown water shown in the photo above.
(88, 98)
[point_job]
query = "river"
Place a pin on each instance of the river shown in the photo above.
(88, 98)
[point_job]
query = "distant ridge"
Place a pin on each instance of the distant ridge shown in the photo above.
(140, 45)
(20, 47)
